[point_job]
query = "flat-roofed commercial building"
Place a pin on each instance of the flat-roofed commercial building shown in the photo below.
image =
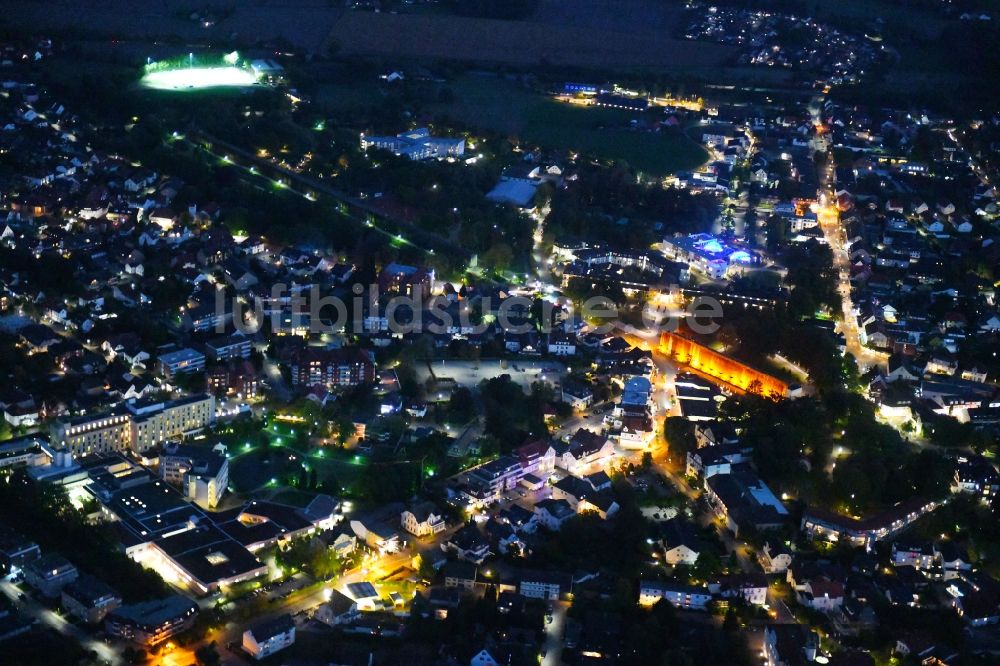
(16, 550)
(138, 426)
(155, 423)
(152, 622)
(201, 473)
(90, 599)
(181, 361)
(94, 433)
(205, 558)
(186, 545)
(49, 574)
(23, 451)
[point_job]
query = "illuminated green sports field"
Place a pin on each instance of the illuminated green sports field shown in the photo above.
(197, 78)
(196, 74)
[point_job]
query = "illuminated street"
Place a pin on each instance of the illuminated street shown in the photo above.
(836, 238)
(110, 654)
(499, 333)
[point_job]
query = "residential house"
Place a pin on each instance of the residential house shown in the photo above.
(468, 544)
(548, 585)
(483, 658)
(790, 645)
(708, 461)
(267, 638)
(749, 587)
(460, 574)
(680, 542)
(582, 496)
(15, 550)
(917, 554)
(49, 574)
(552, 513)
(89, 599)
(489, 481)
(976, 475)
(678, 595)
(337, 610)
(774, 559)
(576, 395)
(587, 450)
(422, 520)
(537, 458)
(822, 594)
(953, 560)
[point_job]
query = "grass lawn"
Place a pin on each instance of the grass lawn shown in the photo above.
(254, 469)
(339, 466)
(915, 20)
(501, 105)
(489, 102)
(603, 132)
(344, 96)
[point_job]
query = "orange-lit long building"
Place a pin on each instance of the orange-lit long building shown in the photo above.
(719, 366)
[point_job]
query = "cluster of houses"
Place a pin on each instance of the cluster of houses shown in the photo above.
(577, 466)
(918, 222)
(52, 576)
(921, 574)
(782, 40)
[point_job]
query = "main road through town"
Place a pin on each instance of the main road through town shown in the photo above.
(836, 238)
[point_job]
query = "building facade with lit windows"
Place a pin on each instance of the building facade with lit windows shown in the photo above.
(332, 367)
(200, 472)
(152, 622)
(155, 422)
(266, 638)
(96, 433)
(826, 525)
(138, 426)
(678, 595)
(417, 144)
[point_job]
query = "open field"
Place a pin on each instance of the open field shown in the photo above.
(501, 105)
(341, 96)
(517, 42)
(646, 16)
(254, 469)
(599, 131)
(897, 17)
(489, 102)
(248, 22)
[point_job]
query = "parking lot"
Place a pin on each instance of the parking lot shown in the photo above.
(471, 373)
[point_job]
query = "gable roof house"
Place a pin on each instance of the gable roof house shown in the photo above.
(468, 544)
(552, 513)
(744, 501)
(582, 496)
(585, 450)
(680, 542)
(422, 520)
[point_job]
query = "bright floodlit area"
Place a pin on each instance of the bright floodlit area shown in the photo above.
(196, 78)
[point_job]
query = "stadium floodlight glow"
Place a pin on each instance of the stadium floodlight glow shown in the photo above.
(198, 78)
